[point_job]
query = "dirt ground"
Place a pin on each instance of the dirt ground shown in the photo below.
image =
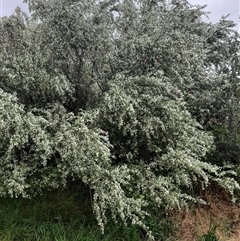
(219, 213)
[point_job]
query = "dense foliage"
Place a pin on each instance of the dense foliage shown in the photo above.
(137, 99)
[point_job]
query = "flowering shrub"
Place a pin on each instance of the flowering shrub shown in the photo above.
(43, 148)
(112, 93)
(157, 141)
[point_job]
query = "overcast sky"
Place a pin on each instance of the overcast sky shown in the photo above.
(217, 8)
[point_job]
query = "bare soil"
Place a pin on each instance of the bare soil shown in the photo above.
(220, 213)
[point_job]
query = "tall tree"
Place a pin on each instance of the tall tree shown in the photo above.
(119, 94)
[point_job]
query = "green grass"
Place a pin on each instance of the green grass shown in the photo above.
(210, 236)
(66, 215)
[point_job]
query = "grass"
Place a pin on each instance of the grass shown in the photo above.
(66, 215)
(210, 235)
(54, 216)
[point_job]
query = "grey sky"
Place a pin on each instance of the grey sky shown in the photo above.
(8, 6)
(217, 7)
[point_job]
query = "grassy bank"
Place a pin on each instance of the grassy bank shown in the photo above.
(66, 215)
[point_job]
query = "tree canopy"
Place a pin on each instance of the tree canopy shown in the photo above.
(137, 99)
